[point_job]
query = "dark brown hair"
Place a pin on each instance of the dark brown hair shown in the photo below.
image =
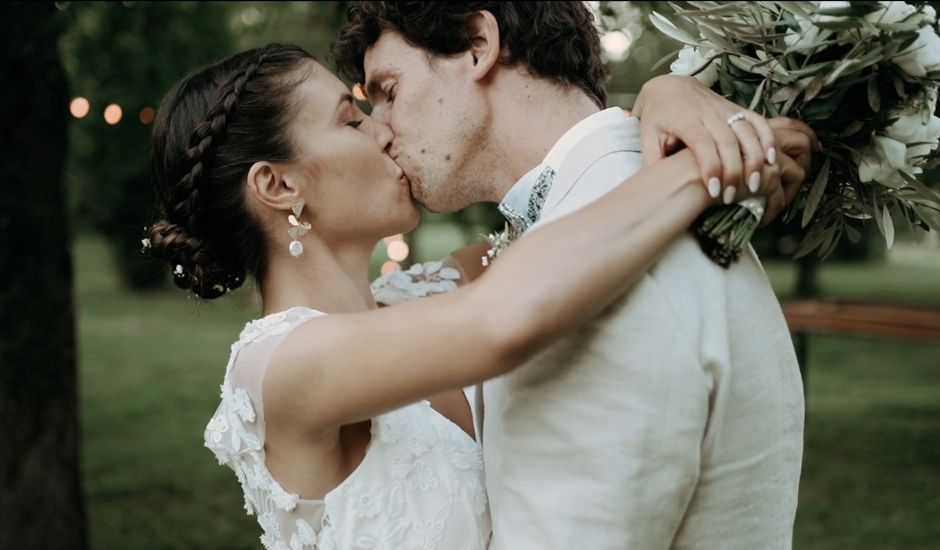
(554, 40)
(210, 128)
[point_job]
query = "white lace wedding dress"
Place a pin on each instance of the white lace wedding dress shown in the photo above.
(420, 485)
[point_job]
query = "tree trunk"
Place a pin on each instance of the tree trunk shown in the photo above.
(807, 278)
(40, 488)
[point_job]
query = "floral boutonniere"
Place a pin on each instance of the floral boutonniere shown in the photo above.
(498, 243)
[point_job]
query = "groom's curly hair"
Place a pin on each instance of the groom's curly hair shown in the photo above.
(554, 40)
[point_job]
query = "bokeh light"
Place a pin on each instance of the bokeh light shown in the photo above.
(616, 44)
(113, 114)
(398, 250)
(358, 93)
(79, 107)
(389, 266)
(146, 115)
(251, 16)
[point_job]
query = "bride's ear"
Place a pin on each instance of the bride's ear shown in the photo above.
(268, 185)
(485, 47)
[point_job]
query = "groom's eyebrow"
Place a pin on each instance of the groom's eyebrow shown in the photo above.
(374, 86)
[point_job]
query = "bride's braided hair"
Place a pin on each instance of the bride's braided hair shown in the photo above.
(210, 129)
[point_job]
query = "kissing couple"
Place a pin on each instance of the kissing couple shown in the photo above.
(600, 384)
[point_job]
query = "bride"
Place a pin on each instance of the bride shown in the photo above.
(346, 424)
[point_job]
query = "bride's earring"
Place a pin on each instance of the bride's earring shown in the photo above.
(298, 229)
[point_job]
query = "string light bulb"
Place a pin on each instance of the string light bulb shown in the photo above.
(113, 114)
(79, 107)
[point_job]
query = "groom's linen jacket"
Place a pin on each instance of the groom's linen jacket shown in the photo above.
(674, 420)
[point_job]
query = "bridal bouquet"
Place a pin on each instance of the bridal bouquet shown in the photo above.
(863, 75)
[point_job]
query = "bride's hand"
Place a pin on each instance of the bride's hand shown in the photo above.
(678, 110)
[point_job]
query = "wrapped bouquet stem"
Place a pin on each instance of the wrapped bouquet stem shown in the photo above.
(863, 75)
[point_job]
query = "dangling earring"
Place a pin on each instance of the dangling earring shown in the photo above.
(297, 229)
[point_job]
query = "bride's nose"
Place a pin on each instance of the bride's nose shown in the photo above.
(382, 133)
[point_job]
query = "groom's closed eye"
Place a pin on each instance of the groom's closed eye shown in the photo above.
(377, 87)
(389, 93)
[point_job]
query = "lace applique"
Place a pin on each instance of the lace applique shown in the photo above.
(217, 427)
(240, 402)
(270, 325)
(304, 535)
(419, 281)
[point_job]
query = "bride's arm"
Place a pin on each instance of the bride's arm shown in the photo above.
(343, 368)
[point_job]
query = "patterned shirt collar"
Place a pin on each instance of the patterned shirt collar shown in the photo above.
(516, 204)
(532, 188)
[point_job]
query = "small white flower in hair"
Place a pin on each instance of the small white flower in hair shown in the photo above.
(145, 243)
(179, 269)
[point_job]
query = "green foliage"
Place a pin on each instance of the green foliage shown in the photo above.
(841, 71)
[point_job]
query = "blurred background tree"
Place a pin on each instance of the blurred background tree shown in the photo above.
(39, 463)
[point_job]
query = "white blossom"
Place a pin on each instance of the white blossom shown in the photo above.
(917, 126)
(872, 167)
(892, 13)
(920, 137)
(692, 59)
(799, 39)
(830, 5)
(882, 161)
(923, 56)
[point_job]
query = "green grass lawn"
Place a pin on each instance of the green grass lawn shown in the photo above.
(151, 365)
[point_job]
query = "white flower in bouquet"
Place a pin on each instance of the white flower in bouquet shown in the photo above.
(892, 13)
(830, 11)
(692, 62)
(917, 126)
(806, 35)
(881, 161)
(923, 56)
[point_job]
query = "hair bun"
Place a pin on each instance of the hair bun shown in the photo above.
(193, 265)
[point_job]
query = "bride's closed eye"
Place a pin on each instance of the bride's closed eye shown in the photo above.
(354, 123)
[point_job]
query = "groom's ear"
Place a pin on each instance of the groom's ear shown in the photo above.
(485, 46)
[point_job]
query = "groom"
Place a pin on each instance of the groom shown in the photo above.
(673, 420)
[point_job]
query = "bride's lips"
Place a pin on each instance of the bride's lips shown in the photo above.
(403, 179)
(400, 173)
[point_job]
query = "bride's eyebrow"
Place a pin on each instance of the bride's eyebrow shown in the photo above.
(345, 99)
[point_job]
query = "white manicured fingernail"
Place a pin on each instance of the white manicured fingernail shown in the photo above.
(771, 156)
(729, 194)
(714, 187)
(753, 182)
